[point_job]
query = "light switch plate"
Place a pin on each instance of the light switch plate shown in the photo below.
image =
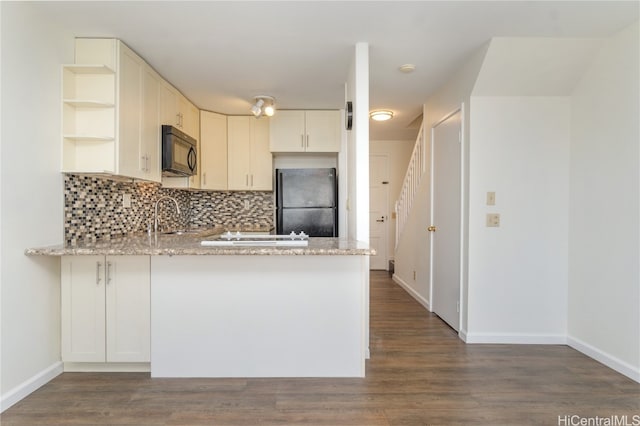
(491, 198)
(493, 220)
(126, 201)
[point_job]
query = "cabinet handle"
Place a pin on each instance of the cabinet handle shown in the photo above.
(108, 272)
(302, 141)
(246, 180)
(307, 141)
(98, 277)
(204, 178)
(252, 181)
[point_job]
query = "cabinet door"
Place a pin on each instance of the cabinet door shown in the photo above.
(128, 300)
(149, 154)
(213, 151)
(130, 112)
(239, 152)
(168, 105)
(261, 175)
(83, 308)
(189, 117)
(287, 132)
(323, 131)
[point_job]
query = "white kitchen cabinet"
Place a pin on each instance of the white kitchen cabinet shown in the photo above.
(213, 151)
(177, 111)
(250, 163)
(107, 105)
(105, 307)
(305, 131)
(150, 140)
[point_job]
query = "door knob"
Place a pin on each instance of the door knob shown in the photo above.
(431, 229)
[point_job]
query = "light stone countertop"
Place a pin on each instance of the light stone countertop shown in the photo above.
(189, 244)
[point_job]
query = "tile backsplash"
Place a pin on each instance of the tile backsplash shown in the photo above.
(94, 208)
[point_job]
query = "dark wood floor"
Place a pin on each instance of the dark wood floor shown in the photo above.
(420, 373)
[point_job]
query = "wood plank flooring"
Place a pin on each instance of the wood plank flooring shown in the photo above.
(420, 373)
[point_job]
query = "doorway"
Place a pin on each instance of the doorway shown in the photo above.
(378, 210)
(446, 217)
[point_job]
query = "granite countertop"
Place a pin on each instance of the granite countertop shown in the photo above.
(189, 244)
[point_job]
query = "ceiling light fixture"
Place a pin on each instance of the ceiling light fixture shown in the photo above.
(264, 105)
(381, 115)
(407, 68)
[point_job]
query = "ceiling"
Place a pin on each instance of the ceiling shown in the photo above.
(221, 54)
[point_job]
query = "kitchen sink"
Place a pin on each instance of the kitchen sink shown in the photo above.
(184, 232)
(203, 232)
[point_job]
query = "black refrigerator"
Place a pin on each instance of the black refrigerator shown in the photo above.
(307, 200)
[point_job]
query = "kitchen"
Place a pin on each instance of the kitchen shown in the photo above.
(151, 133)
(31, 302)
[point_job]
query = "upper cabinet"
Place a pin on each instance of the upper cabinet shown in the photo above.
(305, 131)
(110, 112)
(213, 151)
(176, 110)
(250, 163)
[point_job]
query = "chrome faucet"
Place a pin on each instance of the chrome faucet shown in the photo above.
(155, 220)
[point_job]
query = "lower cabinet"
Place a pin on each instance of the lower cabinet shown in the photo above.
(105, 306)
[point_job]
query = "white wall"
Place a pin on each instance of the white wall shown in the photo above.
(518, 272)
(357, 91)
(604, 240)
(32, 51)
(398, 153)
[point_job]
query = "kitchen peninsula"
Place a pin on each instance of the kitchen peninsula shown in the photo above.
(243, 311)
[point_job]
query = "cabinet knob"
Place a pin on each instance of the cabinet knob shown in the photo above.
(431, 229)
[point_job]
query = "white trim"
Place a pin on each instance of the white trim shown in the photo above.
(610, 361)
(114, 367)
(421, 300)
(462, 334)
(28, 386)
(516, 339)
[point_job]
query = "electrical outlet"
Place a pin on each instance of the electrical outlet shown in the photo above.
(493, 220)
(246, 204)
(491, 198)
(126, 201)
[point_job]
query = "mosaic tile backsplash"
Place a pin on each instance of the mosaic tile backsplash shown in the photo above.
(94, 208)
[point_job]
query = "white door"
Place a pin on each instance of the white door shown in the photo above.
(446, 219)
(378, 209)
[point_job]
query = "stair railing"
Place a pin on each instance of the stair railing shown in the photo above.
(410, 185)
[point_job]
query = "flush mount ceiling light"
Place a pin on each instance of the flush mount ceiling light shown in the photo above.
(407, 68)
(381, 115)
(264, 105)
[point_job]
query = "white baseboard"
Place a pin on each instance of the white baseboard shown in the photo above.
(28, 386)
(421, 300)
(462, 334)
(514, 339)
(610, 361)
(102, 367)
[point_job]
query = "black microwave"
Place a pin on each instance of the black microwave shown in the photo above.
(179, 153)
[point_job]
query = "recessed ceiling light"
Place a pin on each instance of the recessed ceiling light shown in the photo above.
(381, 115)
(407, 68)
